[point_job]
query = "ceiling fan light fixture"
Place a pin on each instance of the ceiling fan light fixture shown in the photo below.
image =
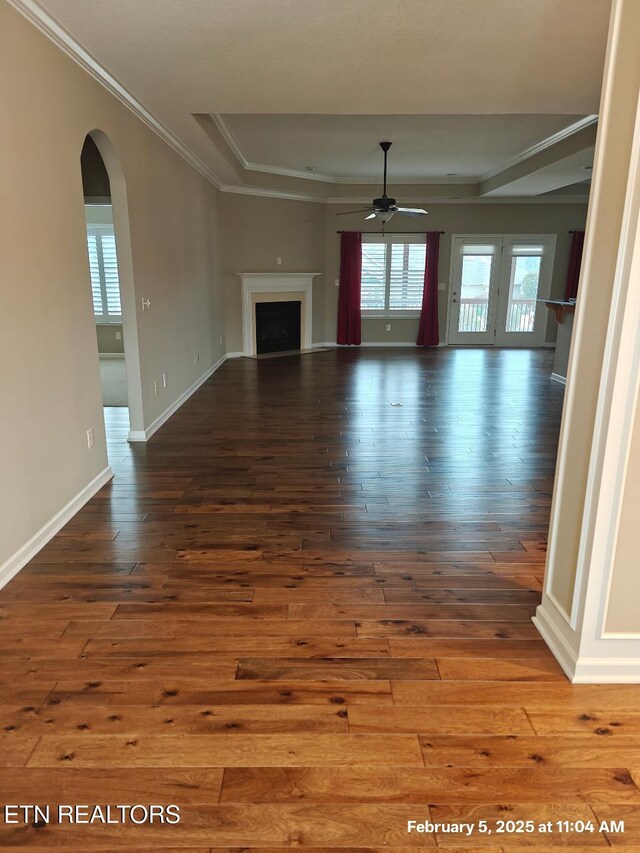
(385, 207)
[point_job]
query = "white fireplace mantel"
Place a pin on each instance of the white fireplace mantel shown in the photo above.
(258, 286)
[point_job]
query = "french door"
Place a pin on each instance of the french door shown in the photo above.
(496, 282)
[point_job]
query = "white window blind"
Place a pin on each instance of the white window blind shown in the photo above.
(392, 275)
(374, 272)
(103, 266)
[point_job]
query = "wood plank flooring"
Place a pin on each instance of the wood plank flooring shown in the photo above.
(302, 613)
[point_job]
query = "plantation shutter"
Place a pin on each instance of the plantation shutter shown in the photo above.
(392, 275)
(406, 276)
(94, 267)
(374, 264)
(103, 265)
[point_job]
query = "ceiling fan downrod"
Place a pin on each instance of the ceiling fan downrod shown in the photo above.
(385, 147)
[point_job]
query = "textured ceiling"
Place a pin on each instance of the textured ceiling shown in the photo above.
(424, 147)
(350, 56)
(533, 59)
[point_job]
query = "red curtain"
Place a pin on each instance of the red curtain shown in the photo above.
(428, 332)
(575, 259)
(349, 319)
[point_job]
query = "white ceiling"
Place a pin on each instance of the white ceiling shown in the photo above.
(535, 63)
(425, 147)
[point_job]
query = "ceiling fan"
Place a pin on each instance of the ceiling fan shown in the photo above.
(383, 208)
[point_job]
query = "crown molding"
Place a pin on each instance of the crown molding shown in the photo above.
(425, 199)
(250, 166)
(55, 32)
(550, 141)
(478, 199)
(269, 193)
(410, 181)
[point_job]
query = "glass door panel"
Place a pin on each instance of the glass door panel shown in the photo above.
(525, 278)
(475, 271)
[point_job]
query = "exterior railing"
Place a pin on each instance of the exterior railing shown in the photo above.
(473, 315)
(521, 316)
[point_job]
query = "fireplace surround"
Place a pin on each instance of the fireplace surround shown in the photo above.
(276, 287)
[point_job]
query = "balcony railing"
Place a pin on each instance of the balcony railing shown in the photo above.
(521, 316)
(473, 315)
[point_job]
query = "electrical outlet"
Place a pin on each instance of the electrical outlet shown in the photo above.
(196, 357)
(388, 327)
(118, 336)
(156, 387)
(164, 380)
(442, 285)
(336, 281)
(220, 340)
(146, 304)
(279, 260)
(90, 438)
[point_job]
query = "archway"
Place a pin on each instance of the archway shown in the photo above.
(114, 302)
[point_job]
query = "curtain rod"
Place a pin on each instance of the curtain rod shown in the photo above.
(382, 233)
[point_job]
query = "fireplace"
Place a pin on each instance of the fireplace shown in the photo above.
(277, 326)
(283, 288)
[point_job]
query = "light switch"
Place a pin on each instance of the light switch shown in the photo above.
(442, 285)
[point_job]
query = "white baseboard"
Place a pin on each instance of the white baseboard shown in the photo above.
(589, 670)
(558, 645)
(607, 671)
(378, 344)
(557, 378)
(145, 435)
(363, 345)
(37, 542)
(119, 355)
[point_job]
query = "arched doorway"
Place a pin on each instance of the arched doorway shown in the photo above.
(114, 304)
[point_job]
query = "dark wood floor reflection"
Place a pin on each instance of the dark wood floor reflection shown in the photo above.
(302, 612)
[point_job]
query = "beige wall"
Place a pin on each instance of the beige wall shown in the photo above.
(108, 341)
(255, 232)
(481, 218)
(49, 365)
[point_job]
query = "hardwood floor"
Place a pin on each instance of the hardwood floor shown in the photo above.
(302, 613)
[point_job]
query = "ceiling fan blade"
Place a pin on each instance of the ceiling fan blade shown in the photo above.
(412, 211)
(347, 212)
(371, 216)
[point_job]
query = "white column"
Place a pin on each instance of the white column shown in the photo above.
(590, 612)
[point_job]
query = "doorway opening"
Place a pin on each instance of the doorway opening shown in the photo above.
(106, 231)
(498, 288)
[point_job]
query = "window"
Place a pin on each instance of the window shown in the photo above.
(392, 275)
(526, 265)
(103, 264)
